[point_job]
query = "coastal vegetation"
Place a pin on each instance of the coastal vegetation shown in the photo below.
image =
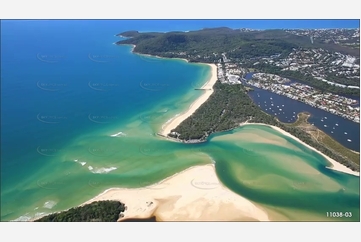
(324, 139)
(210, 45)
(151, 219)
(101, 211)
(229, 106)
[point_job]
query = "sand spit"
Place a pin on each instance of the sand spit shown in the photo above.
(194, 194)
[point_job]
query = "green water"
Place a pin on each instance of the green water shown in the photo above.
(122, 92)
(279, 174)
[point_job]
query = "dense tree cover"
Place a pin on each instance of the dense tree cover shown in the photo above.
(262, 48)
(306, 79)
(302, 41)
(102, 211)
(224, 110)
(342, 79)
(219, 40)
(207, 45)
(151, 219)
(229, 106)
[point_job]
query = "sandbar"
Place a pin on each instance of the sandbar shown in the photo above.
(194, 194)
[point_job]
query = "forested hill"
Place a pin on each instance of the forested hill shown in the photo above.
(219, 40)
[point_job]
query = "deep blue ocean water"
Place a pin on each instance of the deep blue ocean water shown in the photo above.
(62, 80)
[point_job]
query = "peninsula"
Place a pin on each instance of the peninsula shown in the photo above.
(228, 104)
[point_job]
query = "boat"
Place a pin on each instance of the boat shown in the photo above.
(321, 120)
(345, 133)
(348, 140)
(325, 125)
(325, 117)
(331, 132)
(336, 124)
(333, 128)
(270, 98)
(280, 109)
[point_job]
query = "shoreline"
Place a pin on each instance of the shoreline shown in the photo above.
(335, 165)
(160, 57)
(179, 197)
(179, 118)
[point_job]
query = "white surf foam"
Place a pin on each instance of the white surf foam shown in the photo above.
(103, 170)
(80, 162)
(49, 204)
(22, 218)
(38, 215)
(118, 134)
(90, 168)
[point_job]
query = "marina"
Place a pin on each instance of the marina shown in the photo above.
(344, 131)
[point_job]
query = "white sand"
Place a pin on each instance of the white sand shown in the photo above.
(335, 165)
(208, 90)
(194, 194)
(136, 53)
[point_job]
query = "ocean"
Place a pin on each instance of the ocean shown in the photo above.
(80, 115)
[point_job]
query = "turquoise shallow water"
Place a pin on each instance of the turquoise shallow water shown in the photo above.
(63, 97)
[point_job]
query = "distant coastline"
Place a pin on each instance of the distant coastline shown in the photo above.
(178, 190)
(175, 121)
(160, 57)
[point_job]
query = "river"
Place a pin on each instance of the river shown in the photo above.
(286, 110)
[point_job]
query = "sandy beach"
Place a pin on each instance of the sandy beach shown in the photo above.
(335, 165)
(208, 90)
(194, 194)
(136, 53)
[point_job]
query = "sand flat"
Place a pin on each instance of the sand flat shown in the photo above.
(208, 90)
(192, 195)
(335, 165)
(249, 137)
